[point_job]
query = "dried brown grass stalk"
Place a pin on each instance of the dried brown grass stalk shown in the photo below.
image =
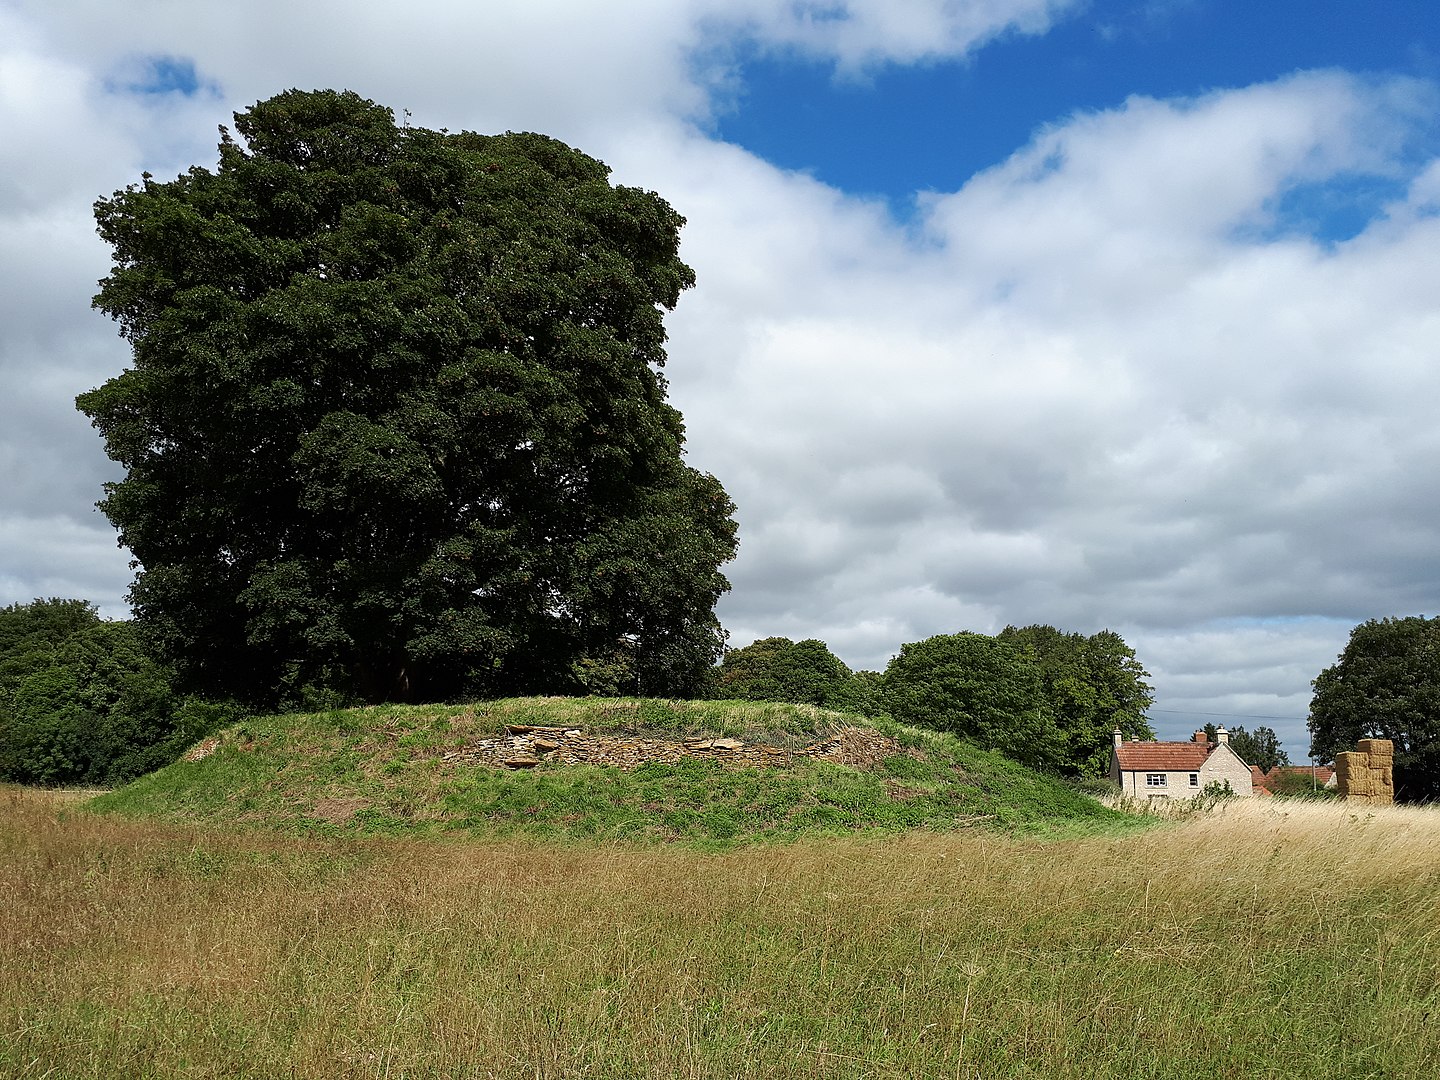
(1258, 933)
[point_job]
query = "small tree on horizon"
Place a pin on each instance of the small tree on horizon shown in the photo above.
(778, 669)
(979, 688)
(1260, 747)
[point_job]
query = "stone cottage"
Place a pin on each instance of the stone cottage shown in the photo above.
(1177, 770)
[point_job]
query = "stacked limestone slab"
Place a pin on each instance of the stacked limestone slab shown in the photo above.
(526, 746)
(1366, 774)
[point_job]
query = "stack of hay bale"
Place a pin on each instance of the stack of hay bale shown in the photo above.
(1352, 775)
(1366, 774)
(1381, 753)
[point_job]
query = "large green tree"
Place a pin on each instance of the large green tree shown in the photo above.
(395, 424)
(1091, 686)
(980, 688)
(1385, 684)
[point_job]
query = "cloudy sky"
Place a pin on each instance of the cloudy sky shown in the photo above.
(1099, 313)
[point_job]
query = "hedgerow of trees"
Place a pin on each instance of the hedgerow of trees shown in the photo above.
(82, 700)
(1046, 698)
(804, 672)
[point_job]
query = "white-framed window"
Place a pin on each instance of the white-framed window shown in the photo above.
(1155, 779)
(1194, 779)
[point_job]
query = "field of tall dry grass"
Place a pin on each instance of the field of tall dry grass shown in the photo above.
(1262, 939)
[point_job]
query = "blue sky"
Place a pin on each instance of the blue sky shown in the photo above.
(1105, 315)
(894, 131)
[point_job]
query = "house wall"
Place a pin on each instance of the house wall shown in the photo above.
(1224, 764)
(1177, 784)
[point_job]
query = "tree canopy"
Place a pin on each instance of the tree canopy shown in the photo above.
(1091, 685)
(1047, 698)
(778, 669)
(805, 672)
(980, 688)
(396, 425)
(1385, 684)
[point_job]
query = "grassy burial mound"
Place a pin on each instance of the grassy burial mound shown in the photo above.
(636, 769)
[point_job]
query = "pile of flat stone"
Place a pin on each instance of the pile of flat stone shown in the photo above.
(525, 746)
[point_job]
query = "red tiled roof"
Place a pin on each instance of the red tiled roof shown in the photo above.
(1323, 773)
(1162, 756)
(1257, 782)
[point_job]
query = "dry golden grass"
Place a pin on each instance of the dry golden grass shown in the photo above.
(1264, 939)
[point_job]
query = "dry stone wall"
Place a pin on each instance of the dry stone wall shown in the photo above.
(1366, 774)
(525, 746)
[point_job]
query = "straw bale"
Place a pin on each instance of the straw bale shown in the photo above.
(1345, 761)
(1378, 749)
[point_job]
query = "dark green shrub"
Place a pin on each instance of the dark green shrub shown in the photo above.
(83, 702)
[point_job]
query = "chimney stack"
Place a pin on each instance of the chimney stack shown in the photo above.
(1221, 735)
(1200, 736)
(1118, 737)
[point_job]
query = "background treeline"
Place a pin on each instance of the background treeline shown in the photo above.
(1046, 698)
(82, 701)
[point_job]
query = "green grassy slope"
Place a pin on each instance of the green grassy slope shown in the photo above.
(381, 770)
